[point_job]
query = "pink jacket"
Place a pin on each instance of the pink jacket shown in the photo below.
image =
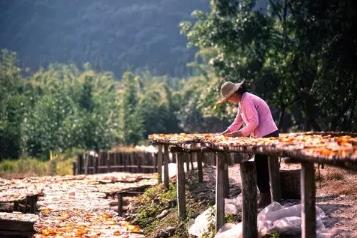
(254, 112)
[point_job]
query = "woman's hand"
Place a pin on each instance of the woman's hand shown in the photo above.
(234, 134)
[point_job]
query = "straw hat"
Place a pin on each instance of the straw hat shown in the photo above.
(228, 89)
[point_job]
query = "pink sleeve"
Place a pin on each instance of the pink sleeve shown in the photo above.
(251, 114)
(236, 124)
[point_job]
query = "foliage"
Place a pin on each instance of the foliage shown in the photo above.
(152, 202)
(73, 109)
(55, 109)
(146, 106)
(61, 164)
(298, 55)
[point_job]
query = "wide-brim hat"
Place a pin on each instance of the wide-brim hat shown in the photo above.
(228, 89)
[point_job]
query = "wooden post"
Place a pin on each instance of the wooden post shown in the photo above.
(109, 157)
(308, 209)
(249, 195)
(166, 166)
(86, 163)
(219, 191)
(139, 155)
(199, 167)
(120, 204)
(274, 177)
(180, 183)
(159, 162)
(95, 164)
(226, 174)
(187, 155)
(74, 168)
(192, 157)
(79, 164)
(125, 161)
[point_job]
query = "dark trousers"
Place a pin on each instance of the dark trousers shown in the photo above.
(261, 164)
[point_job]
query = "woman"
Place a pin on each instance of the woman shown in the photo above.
(253, 118)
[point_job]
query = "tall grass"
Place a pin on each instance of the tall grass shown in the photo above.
(60, 164)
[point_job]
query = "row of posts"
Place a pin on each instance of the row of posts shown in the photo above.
(249, 189)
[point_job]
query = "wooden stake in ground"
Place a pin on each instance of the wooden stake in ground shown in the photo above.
(274, 177)
(220, 161)
(308, 209)
(166, 166)
(180, 183)
(199, 166)
(249, 194)
(159, 162)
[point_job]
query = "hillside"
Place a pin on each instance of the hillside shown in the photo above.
(109, 34)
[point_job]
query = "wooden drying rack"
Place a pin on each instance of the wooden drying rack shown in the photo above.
(181, 148)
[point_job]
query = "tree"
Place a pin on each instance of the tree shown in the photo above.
(12, 105)
(131, 127)
(296, 54)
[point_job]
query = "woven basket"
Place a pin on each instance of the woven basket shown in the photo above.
(290, 184)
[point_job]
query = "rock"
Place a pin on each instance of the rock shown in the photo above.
(162, 214)
(162, 234)
(169, 231)
(156, 201)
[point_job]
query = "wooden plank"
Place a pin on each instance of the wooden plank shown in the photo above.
(249, 195)
(12, 225)
(180, 183)
(308, 209)
(274, 178)
(199, 167)
(159, 162)
(166, 166)
(219, 191)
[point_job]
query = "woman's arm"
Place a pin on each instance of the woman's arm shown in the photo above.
(252, 116)
(236, 124)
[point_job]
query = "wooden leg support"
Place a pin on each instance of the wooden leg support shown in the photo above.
(226, 175)
(199, 167)
(120, 204)
(308, 209)
(180, 183)
(219, 190)
(166, 166)
(274, 178)
(249, 193)
(159, 162)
